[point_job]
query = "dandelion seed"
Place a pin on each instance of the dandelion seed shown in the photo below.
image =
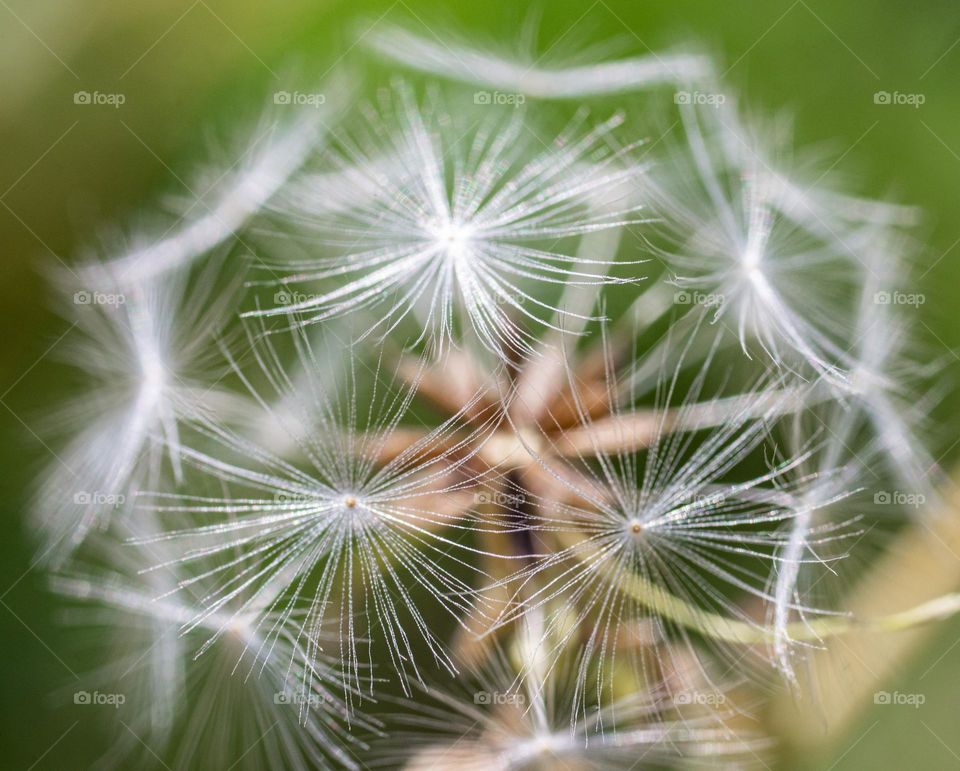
(146, 353)
(772, 281)
(665, 538)
(457, 231)
(368, 521)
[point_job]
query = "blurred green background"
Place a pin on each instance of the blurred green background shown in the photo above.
(193, 69)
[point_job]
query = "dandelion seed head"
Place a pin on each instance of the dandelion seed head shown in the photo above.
(321, 533)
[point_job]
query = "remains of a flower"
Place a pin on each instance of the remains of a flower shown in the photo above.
(459, 444)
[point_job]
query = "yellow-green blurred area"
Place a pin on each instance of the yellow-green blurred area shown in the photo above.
(190, 71)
